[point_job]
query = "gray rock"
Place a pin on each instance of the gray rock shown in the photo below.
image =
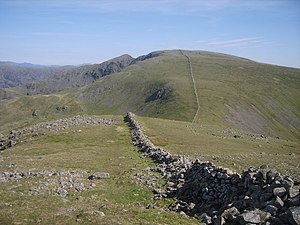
(255, 216)
(288, 182)
(291, 216)
(278, 202)
(230, 214)
(218, 220)
(191, 206)
(205, 218)
(99, 175)
(62, 192)
(295, 215)
(279, 191)
(293, 201)
(293, 192)
(99, 213)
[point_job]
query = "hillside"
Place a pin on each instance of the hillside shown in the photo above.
(54, 188)
(68, 156)
(78, 76)
(232, 91)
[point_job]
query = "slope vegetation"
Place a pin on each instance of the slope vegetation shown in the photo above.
(232, 92)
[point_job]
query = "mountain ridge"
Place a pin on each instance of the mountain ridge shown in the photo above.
(233, 91)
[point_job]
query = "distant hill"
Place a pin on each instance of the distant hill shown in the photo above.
(29, 65)
(15, 74)
(79, 76)
(233, 92)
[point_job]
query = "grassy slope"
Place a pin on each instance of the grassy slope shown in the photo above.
(104, 149)
(264, 96)
(17, 112)
(128, 90)
(220, 147)
(233, 92)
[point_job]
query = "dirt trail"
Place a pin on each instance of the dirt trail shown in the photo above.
(195, 88)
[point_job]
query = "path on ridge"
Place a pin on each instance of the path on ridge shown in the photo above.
(195, 87)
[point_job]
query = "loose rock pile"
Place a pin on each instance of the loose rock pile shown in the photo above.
(59, 183)
(218, 195)
(16, 136)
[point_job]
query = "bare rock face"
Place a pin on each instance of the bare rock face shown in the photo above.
(218, 195)
(163, 93)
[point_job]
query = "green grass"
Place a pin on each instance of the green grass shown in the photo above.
(233, 93)
(220, 147)
(17, 112)
(237, 96)
(243, 84)
(95, 148)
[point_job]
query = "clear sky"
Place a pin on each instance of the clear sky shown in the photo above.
(57, 32)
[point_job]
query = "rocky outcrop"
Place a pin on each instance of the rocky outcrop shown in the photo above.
(218, 195)
(15, 136)
(163, 93)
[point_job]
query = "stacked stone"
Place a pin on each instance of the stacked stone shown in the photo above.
(172, 167)
(218, 195)
(16, 136)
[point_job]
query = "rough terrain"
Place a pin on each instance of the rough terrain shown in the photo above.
(218, 195)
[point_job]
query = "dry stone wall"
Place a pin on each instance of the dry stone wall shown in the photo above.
(19, 135)
(218, 195)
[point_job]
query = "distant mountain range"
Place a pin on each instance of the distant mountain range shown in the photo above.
(29, 65)
(15, 74)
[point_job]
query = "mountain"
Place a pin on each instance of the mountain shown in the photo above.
(29, 65)
(233, 92)
(16, 74)
(79, 76)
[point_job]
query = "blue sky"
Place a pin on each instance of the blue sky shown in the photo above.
(58, 32)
